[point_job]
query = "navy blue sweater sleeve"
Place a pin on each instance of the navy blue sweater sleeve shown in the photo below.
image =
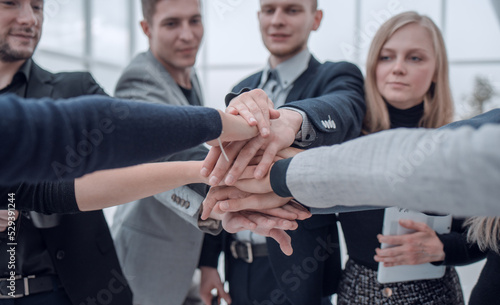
(278, 178)
(45, 197)
(457, 250)
(50, 140)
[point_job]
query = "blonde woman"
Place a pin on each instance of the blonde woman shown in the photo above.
(406, 86)
(485, 231)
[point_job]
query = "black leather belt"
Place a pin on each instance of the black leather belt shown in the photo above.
(25, 286)
(246, 251)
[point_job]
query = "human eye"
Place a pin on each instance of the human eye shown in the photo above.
(384, 58)
(170, 24)
(196, 20)
(37, 5)
(267, 10)
(415, 58)
(8, 3)
(293, 10)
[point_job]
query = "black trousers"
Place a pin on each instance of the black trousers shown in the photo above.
(255, 284)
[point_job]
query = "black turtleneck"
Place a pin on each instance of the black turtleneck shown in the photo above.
(407, 118)
(361, 228)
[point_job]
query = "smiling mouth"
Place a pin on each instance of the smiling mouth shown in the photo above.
(23, 36)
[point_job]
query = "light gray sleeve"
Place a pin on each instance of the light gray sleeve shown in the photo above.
(445, 171)
(186, 203)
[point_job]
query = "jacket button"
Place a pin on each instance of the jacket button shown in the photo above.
(60, 255)
(173, 197)
(387, 292)
(183, 202)
(187, 204)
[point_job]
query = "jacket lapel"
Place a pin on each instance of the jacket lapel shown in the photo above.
(303, 81)
(40, 83)
(255, 81)
(166, 84)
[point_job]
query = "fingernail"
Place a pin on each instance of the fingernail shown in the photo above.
(259, 174)
(204, 172)
(213, 181)
(264, 131)
(252, 120)
(229, 180)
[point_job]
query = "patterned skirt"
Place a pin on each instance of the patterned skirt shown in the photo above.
(359, 286)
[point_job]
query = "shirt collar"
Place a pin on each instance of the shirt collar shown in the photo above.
(26, 69)
(290, 70)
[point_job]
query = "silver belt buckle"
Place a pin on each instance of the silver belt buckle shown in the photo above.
(248, 246)
(16, 296)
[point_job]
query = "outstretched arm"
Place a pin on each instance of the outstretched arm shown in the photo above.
(107, 188)
(47, 140)
(431, 170)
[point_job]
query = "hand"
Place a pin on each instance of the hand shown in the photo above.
(231, 199)
(248, 183)
(210, 279)
(256, 108)
(420, 247)
(282, 135)
(6, 217)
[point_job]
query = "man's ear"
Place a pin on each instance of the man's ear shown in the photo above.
(318, 16)
(145, 28)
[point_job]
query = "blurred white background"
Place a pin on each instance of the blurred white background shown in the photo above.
(102, 36)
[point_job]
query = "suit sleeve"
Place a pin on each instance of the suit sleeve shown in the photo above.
(338, 109)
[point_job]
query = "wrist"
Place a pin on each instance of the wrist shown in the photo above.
(193, 171)
(292, 118)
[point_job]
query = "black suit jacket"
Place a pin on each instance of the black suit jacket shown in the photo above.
(81, 247)
(324, 91)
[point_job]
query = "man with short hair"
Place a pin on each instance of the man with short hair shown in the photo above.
(320, 104)
(157, 238)
(58, 259)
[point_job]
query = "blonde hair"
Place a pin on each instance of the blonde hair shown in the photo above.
(438, 102)
(485, 231)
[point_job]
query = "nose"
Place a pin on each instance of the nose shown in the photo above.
(26, 15)
(399, 67)
(186, 32)
(278, 18)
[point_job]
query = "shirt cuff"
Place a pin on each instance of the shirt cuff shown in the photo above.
(306, 134)
(231, 95)
(278, 178)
